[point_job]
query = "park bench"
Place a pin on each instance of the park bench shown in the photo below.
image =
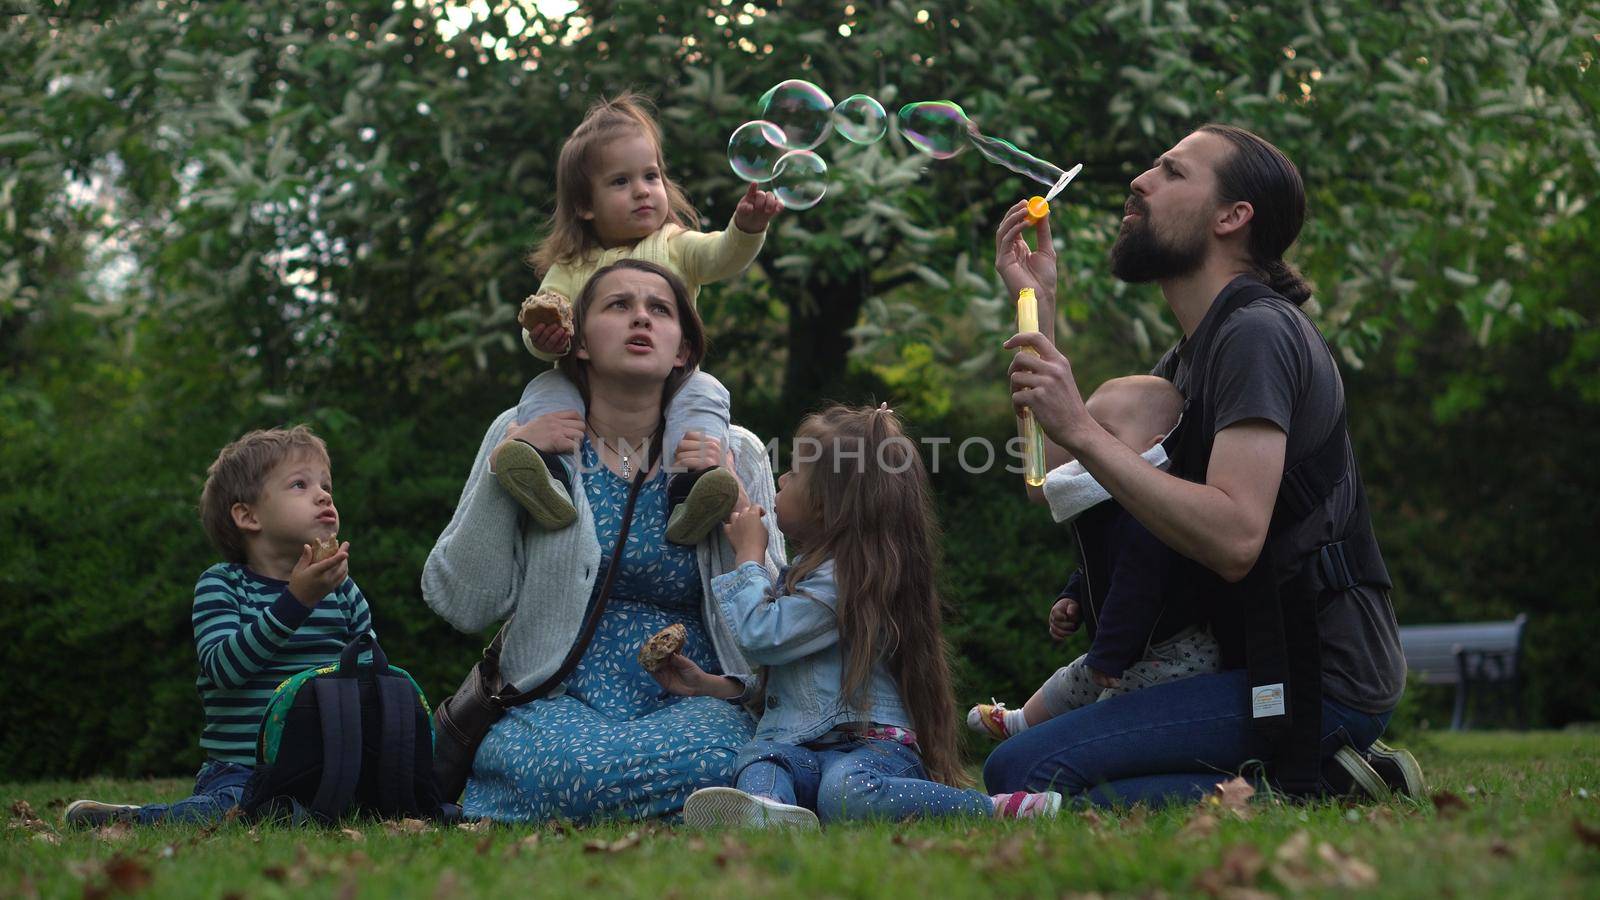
(1485, 654)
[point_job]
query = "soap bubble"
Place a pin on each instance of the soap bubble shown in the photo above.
(754, 149)
(936, 127)
(1021, 161)
(860, 119)
(803, 111)
(800, 179)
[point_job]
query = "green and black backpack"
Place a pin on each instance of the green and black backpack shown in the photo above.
(350, 738)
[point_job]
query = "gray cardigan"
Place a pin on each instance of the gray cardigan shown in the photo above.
(485, 566)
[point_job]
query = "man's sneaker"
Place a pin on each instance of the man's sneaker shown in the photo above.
(700, 502)
(988, 718)
(726, 807)
(93, 813)
(1023, 805)
(1398, 769)
(1349, 772)
(521, 470)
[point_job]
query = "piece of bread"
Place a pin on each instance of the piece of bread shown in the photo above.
(323, 548)
(548, 308)
(661, 645)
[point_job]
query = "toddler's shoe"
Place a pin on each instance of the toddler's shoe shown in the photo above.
(1398, 769)
(93, 813)
(990, 719)
(700, 501)
(1023, 805)
(726, 807)
(525, 473)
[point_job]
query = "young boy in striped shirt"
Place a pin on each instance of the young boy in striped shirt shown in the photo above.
(266, 613)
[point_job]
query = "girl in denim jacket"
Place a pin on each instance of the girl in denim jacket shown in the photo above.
(859, 716)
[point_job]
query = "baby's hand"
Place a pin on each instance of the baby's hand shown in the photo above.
(1063, 618)
(1104, 680)
(747, 532)
(756, 208)
(552, 339)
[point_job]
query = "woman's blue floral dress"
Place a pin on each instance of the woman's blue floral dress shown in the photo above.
(614, 746)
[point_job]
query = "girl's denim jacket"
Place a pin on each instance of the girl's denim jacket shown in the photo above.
(796, 636)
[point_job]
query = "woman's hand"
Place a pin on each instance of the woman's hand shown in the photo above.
(678, 675)
(557, 432)
(756, 208)
(1064, 617)
(747, 533)
(1020, 267)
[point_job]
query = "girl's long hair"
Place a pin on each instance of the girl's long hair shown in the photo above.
(873, 516)
(571, 237)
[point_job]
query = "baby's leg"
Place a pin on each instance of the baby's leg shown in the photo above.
(1190, 652)
(701, 497)
(540, 480)
(1070, 687)
(550, 391)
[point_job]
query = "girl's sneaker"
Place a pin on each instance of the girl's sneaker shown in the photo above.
(93, 813)
(990, 719)
(726, 807)
(1023, 805)
(700, 501)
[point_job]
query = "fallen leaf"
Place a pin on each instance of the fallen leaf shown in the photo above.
(1291, 862)
(448, 887)
(476, 825)
(1381, 816)
(114, 832)
(1348, 871)
(484, 845)
(127, 874)
(1005, 855)
(353, 835)
(1136, 817)
(1234, 795)
(405, 826)
(1200, 825)
(1500, 848)
(1448, 804)
(627, 841)
(1093, 818)
(47, 837)
(1586, 834)
(22, 809)
(731, 851)
(1238, 869)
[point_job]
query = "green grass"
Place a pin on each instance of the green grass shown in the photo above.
(1528, 824)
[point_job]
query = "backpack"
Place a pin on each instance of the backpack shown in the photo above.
(345, 738)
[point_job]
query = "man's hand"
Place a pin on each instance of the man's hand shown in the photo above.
(756, 208)
(747, 533)
(311, 581)
(1019, 267)
(1064, 617)
(1045, 384)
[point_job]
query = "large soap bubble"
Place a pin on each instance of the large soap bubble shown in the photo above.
(860, 119)
(803, 111)
(800, 179)
(754, 149)
(936, 127)
(1022, 162)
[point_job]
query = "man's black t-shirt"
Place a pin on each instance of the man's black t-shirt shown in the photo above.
(1269, 363)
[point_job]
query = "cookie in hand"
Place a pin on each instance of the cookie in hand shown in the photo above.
(661, 645)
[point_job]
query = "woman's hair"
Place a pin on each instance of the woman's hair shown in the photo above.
(1259, 174)
(239, 475)
(571, 236)
(694, 330)
(873, 509)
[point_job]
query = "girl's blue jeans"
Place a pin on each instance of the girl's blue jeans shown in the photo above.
(218, 787)
(860, 778)
(1168, 743)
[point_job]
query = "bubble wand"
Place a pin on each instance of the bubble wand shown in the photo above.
(1032, 436)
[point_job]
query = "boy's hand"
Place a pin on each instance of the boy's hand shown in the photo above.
(311, 581)
(557, 432)
(1063, 618)
(552, 339)
(747, 533)
(756, 208)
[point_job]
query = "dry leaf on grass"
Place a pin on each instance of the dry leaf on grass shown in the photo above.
(1005, 855)
(1237, 872)
(1448, 804)
(1348, 872)
(731, 851)
(353, 835)
(127, 874)
(476, 825)
(626, 842)
(405, 826)
(114, 832)
(918, 844)
(1234, 796)
(1587, 835)
(1200, 825)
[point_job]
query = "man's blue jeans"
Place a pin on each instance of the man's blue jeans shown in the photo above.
(218, 787)
(1169, 743)
(857, 779)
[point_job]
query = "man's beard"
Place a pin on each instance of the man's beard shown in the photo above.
(1139, 256)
